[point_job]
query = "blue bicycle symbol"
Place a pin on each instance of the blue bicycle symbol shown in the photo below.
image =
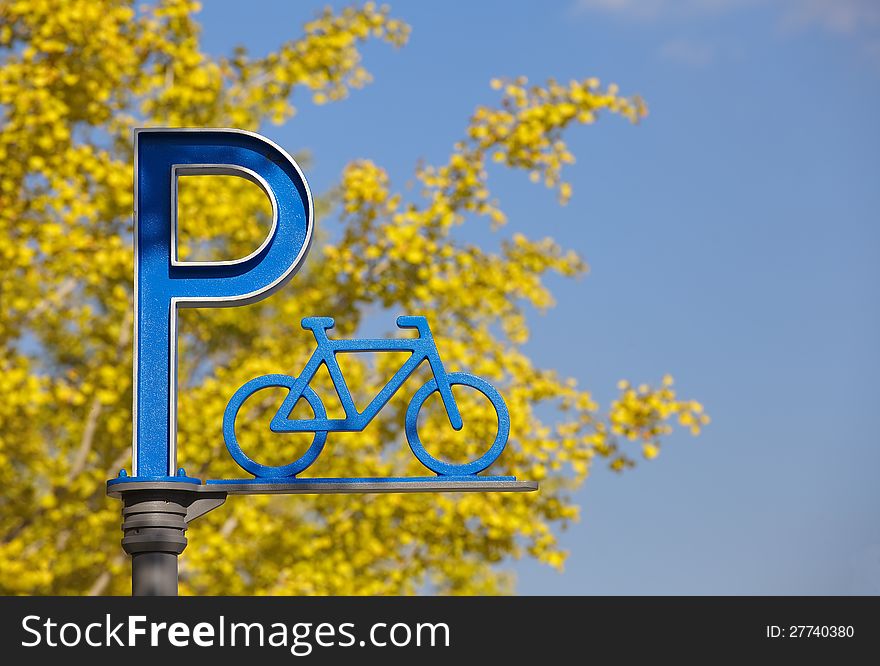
(423, 348)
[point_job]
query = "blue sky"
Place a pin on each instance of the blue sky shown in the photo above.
(733, 242)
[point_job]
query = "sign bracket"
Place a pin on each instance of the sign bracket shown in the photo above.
(156, 514)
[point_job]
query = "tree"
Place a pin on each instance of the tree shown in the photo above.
(75, 77)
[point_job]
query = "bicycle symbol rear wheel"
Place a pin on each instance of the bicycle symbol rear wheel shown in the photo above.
(450, 469)
(267, 471)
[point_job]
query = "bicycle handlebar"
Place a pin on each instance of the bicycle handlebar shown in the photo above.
(413, 321)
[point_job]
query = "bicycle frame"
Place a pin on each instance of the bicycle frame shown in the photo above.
(423, 348)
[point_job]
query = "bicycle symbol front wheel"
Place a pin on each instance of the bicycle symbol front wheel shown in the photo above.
(451, 469)
(234, 448)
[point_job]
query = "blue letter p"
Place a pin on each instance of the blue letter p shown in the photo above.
(162, 284)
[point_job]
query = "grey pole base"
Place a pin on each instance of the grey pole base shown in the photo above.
(154, 521)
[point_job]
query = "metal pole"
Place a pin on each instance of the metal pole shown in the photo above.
(154, 574)
(155, 516)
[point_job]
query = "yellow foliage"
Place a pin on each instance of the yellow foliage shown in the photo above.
(75, 77)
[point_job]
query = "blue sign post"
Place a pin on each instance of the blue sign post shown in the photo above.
(159, 498)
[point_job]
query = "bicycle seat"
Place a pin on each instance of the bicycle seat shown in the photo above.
(318, 323)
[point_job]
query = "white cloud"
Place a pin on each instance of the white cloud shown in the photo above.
(652, 9)
(687, 52)
(872, 51)
(840, 16)
(858, 20)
